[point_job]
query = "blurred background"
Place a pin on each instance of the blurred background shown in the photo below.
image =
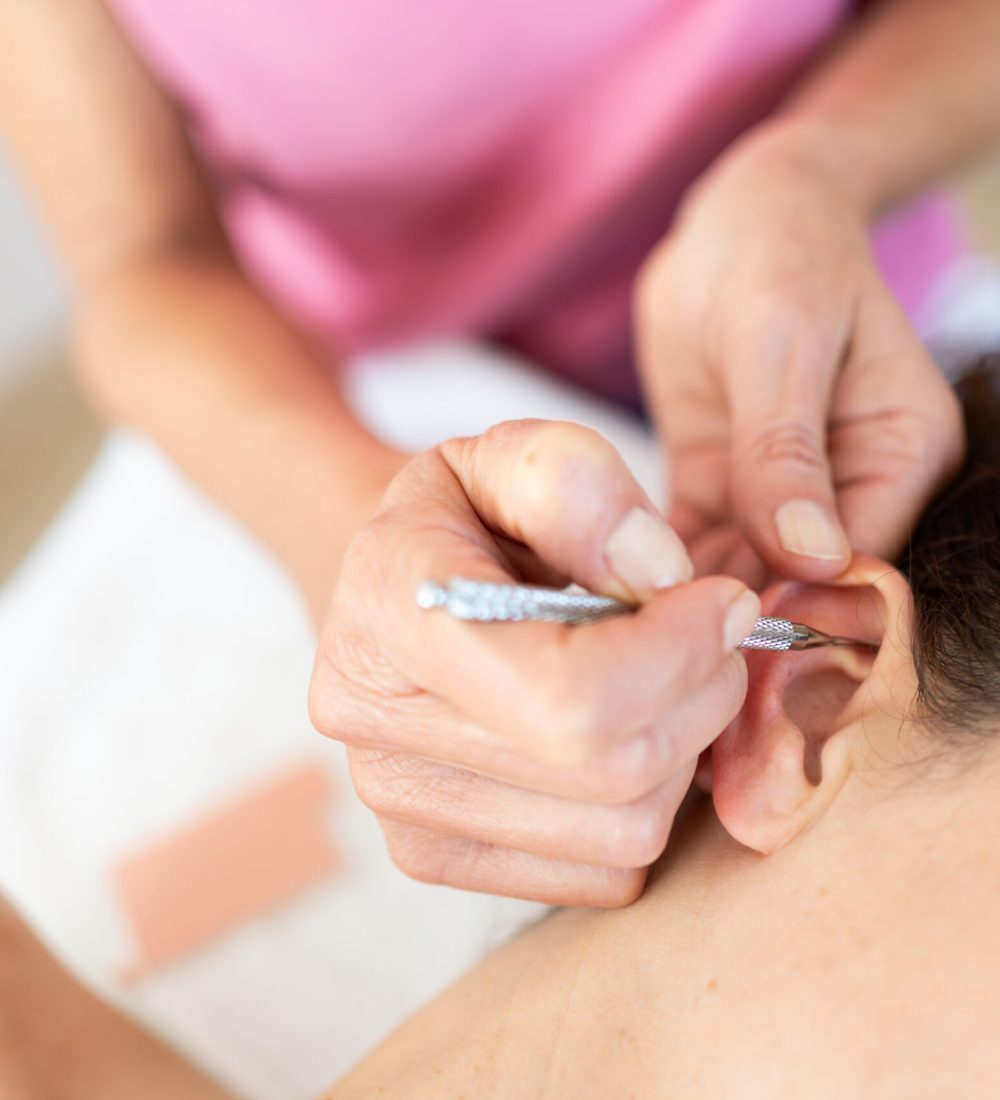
(47, 436)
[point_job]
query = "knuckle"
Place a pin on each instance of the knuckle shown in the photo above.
(325, 700)
(566, 436)
(642, 833)
(424, 856)
(791, 443)
(422, 861)
(354, 665)
(542, 459)
(507, 432)
(618, 888)
(477, 453)
(652, 832)
(371, 774)
(409, 485)
(393, 784)
(558, 455)
(364, 557)
(407, 789)
(347, 698)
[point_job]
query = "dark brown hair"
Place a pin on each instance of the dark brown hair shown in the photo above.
(953, 566)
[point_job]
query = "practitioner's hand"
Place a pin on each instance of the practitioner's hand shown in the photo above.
(531, 759)
(801, 412)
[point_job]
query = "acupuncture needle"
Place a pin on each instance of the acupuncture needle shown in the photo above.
(490, 602)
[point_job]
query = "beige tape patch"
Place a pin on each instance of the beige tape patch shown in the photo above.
(231, 866)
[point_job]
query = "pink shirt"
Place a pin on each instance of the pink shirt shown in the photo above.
(391, 171)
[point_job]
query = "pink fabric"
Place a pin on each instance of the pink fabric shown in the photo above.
(391, 171)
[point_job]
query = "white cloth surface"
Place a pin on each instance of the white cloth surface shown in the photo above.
(154, 664)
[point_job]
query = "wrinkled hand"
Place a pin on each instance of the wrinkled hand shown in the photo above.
(802, 414)
(531, 759)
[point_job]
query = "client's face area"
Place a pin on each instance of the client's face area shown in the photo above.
(814, 718)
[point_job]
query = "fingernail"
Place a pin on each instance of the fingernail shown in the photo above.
(645, 554)
(741, 618)
(805, 528)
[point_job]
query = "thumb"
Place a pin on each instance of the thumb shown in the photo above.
(783, 493)
(566, 493)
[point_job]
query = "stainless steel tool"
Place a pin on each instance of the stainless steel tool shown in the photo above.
(488, 602)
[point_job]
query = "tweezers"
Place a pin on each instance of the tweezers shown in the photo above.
(488, 602)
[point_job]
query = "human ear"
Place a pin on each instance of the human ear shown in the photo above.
(786, 756)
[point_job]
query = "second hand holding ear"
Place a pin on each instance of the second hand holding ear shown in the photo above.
(527, 759)
(804, 418)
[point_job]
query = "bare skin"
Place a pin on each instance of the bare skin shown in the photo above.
(793, 394)
(822, 972)
(173, 339)
(59, 1042)
(857, 958)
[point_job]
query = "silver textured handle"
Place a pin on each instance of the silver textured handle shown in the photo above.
(487, 602)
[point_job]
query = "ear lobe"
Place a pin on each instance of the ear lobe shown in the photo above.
(785, 757)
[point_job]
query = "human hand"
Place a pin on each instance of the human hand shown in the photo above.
(531, 759)
(803, 417)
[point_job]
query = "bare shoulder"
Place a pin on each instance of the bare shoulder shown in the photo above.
(734, 976)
